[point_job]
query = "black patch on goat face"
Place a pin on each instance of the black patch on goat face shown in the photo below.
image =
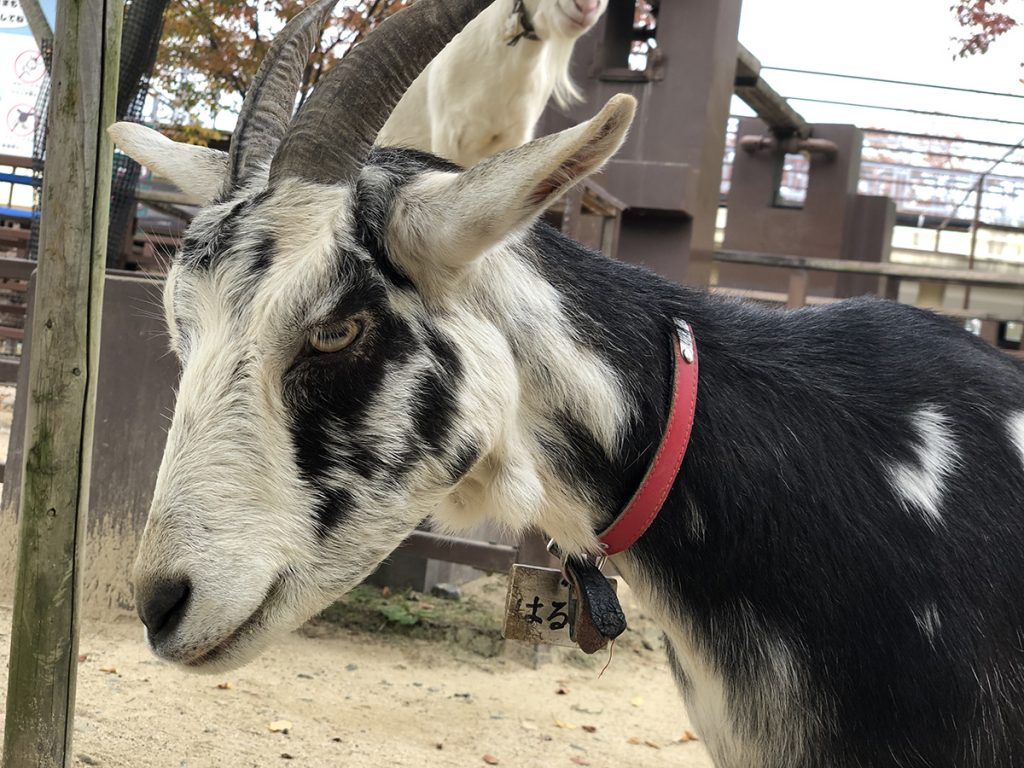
(262, 258)
(391, 168)
(328, 396)
(201, 254)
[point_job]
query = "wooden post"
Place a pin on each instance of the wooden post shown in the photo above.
(62, 385)
(797, 296)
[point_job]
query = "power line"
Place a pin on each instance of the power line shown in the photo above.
(907, 110)
(895, 82)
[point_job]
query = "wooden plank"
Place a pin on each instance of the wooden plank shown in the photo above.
(165, 196)
(904, 271)
(15, 161)
(16, 269)
(797, 289)
(7, 332)
(777, 297)
(9, 370)
(765, 100)
(493, 558)
(62, 386)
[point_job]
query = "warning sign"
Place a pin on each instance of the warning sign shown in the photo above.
(22, 74)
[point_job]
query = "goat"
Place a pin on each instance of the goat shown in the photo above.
(486, 90)
(372, 337)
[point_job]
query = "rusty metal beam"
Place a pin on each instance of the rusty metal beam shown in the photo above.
(765, 100)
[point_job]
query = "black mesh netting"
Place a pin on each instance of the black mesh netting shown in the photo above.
(143, 23)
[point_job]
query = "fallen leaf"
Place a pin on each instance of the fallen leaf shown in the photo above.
(563, 724)
(528, 725)
(651, 744)
(83, 657)
(286, 756)
(385, 592)
(490, 759)
(225, 686)
(590, 728)
(109, 670)
(689, 735)
(279, 726)
(637, 701)
(579, 761)
(562, 691)
(634, 740)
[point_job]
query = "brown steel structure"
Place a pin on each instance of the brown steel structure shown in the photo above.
(832, 222)
(669, 171)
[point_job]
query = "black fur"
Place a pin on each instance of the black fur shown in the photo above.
(783, 525)
(802, 538)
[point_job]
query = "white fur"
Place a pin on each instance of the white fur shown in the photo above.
(922, 483)
(450, 219)
(1015, 426)
(763, 724)
(196, 171)
(929, 621)
(480, 96)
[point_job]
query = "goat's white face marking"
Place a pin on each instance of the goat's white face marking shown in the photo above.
(921, 483)
(1015, 427)
(289, 475)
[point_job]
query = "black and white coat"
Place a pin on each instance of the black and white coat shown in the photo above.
(838, 568)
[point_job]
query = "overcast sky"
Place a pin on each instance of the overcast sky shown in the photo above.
(894, 39)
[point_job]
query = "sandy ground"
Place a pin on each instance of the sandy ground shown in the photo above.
(354, 698)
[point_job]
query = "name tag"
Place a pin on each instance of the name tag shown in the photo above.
(537, 606)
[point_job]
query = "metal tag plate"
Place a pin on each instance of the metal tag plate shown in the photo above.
(537, 606)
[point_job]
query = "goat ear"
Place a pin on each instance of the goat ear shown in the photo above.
(196, 171)
(479, 208)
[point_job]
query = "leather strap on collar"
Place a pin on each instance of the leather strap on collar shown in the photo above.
(641, 510)
(523, 25)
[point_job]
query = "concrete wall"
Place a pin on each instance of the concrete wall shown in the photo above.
(136, 396)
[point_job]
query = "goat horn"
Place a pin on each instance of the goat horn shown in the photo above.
(331, 136)
(269, 102)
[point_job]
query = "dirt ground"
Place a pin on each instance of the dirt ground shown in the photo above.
(339, 696)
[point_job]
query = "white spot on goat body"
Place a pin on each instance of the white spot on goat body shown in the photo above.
(1015, 426)
(767, 719)
(929, 621)
(921, 483)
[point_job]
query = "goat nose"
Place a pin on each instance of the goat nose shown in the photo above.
(162, 604)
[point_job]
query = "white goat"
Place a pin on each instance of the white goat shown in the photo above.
(486, 90)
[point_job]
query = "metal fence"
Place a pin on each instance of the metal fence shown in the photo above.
(934, 180)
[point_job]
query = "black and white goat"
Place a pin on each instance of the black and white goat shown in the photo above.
(371, 338)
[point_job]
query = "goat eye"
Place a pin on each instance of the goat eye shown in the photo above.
(336, 337)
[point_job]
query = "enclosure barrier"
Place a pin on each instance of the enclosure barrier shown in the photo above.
(889, 274)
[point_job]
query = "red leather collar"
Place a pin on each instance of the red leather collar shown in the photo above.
(647, 501)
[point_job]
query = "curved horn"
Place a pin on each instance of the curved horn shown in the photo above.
(331, 136)
(270, 100)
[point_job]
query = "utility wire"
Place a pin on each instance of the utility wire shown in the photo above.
(907, 110)
(895, 82)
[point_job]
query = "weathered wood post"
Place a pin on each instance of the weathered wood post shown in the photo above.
(62, 385)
